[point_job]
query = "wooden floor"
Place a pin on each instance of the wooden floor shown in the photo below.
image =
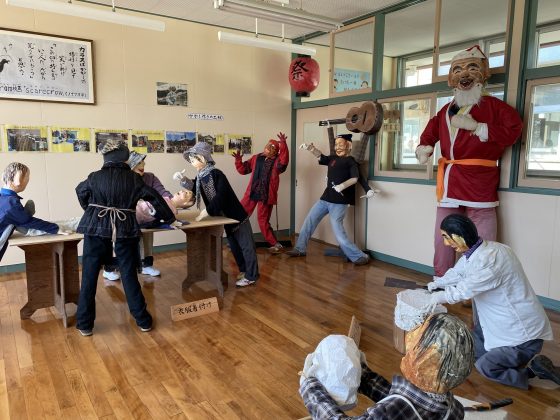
(240, 363)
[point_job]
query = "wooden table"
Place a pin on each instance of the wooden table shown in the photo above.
(204, 252)
(52, 269)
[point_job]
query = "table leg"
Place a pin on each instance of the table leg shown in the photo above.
(204, 257)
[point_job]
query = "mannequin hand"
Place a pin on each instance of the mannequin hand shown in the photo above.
(203, 214)
(338, 188)
(433, 286)
(238, 154)
(311, 147)
(282, 137)
(178, 176)
(64, 232)
(423, 153)
(370, 194)
(466, 122)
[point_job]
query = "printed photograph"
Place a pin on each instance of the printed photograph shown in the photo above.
(69, 140)
(148, 141)
(172, 94)
(26, 139)
(214, 140)
(101, 136)
(179, 141)
(239, 142)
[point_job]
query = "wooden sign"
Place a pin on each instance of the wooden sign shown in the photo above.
(355, 331)
(194, 309)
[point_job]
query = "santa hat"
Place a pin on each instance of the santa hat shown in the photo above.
(472, 52)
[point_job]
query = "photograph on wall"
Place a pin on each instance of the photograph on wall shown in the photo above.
(101, 136)
(68, 139)
(216, 141)
(179, 141)
(347, 79)
(26, 138)
(239, 142)
(148, 141)
(172, 94)
(42, 67)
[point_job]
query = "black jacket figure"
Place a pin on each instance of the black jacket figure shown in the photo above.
(109, 198)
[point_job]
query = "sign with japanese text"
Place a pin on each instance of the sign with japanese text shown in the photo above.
(193, 309)
(45, 67)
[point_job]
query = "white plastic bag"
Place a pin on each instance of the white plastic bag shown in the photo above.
(413, 307)
(336, 364)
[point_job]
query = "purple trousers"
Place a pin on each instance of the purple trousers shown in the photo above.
(485, 221)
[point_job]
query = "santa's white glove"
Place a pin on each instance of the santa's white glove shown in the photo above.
(370, 194)
(311, 147)
(466, 122)
(423, 154)
(433, 286)
(178, 176)
(438, 297)
(203, 214)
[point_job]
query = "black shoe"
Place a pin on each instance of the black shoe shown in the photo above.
(86, 333)
(362, 261)
(543, 367)
(294, 252)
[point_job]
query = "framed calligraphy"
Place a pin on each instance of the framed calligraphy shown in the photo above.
(41, 67)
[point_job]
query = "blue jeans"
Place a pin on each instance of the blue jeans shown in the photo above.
(337, 212)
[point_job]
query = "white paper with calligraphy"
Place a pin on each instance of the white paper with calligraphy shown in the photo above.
(192, 309)
(45, 68)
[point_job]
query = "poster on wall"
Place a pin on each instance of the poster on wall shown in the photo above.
(101, 136)
(179, 141)
(239, 142)
(172, 94)
(214, 140)
(347, 79)
(26, 138)
(68, 139)
(45, 67)
(148, 141)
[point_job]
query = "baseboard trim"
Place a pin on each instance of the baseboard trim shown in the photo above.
(426, 269)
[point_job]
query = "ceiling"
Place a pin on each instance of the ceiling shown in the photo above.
(203, 11)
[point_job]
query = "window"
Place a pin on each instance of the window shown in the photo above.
(404, 119)
(352, 59)
(541, 157)
(547, 38)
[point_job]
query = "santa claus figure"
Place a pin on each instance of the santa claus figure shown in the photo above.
(473, 129)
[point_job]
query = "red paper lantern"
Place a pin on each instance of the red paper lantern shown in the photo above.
(304, 75)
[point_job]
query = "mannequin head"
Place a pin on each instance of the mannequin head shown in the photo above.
(439, 354)
(16, 177)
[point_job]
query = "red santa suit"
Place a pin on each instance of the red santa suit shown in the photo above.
(468, 171)
(262, 190)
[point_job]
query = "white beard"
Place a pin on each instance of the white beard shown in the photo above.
(468, 97)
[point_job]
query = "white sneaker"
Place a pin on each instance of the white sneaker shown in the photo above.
(150, 271)
(276, 249)
(244, 282)
(111, 275)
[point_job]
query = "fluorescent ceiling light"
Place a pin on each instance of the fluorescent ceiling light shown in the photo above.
(268, 11)
(265, 43)
(111, 16)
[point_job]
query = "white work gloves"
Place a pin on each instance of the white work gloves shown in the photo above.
(311, 147)
(423, 154)
(438, 297)
(178, 176)
(436, 284)
(370, 194)
(203, 214)
(466, 122)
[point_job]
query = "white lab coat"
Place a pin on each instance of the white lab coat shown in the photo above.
(508, 309)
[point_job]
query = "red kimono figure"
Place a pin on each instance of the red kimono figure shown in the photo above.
(262, 192)
(473, 130)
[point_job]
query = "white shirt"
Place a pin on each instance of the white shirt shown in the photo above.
(508, 309)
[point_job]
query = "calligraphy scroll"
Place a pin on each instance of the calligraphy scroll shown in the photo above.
(45, 67)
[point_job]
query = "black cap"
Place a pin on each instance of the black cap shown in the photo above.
(347, 137)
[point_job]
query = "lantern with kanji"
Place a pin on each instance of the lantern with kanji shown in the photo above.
(304, 75)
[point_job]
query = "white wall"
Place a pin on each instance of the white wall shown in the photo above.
(400, 223)
(248, 86)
